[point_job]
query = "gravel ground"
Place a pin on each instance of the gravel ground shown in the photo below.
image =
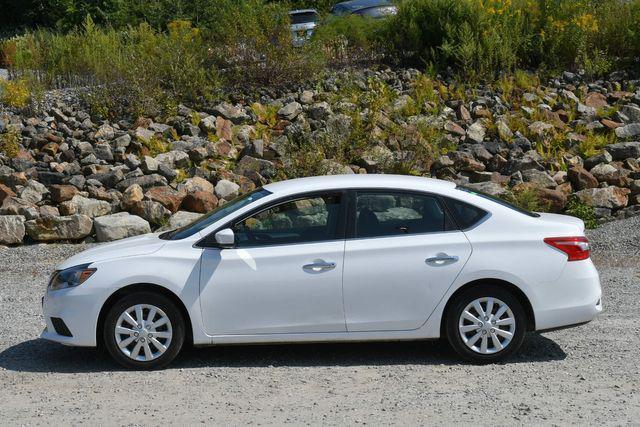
(588, 375)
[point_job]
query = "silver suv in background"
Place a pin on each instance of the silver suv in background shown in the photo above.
(303, 22)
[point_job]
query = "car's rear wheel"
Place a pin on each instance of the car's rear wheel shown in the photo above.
(144, 330)
(485, 324)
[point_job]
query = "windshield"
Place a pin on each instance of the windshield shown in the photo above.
(499, 201)
(378, 12)
(303, 17)
(214, 216)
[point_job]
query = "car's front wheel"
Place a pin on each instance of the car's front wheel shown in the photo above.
(144, 330)
(485, 324)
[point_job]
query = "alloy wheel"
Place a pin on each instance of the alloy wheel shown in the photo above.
(487, 325)
(143, 332)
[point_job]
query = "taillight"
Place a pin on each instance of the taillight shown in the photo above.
(576, 248)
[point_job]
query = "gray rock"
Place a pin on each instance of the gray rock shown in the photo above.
(476, 132)
(119, 226)
(154, 212)
(105, 132)
(230, 112)
(631, 111)
(290, 111)
(624, 150)
(11, 229)
(603, 157)
(146, 181)
(71, 227)
(249, 166)
(608, 197)
(491, 188)
(181, 218)
(122, 141)
(539, 178)
(226, 189)
(90, 207)
(628, 131)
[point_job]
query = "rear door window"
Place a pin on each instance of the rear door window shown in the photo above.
(379, 214)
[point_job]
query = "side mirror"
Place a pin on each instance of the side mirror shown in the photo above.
(225, 238)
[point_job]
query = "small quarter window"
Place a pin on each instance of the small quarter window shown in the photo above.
(465, 215)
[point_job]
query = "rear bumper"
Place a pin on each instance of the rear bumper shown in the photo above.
(575, 298)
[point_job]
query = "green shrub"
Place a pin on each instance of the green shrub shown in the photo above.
(10, 143)
(575, 207)
(15, 93)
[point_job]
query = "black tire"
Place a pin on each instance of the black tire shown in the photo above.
(462, 300)
(149, 298)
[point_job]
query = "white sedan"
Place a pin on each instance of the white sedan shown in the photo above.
(334, 258)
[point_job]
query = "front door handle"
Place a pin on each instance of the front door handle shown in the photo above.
(319, 266)
(442, 259)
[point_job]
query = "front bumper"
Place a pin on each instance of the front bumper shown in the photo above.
(78, 308)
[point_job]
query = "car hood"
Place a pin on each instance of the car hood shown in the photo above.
(563, 219)
(132, 246)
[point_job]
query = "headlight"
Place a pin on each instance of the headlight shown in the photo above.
(70, 277)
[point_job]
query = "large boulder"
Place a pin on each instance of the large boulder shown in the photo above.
(580, 178)
(167, 196)
(85, 206)
(490, 188)
(52, 228)
(152, 211)
(290, 111)
(119, 226)
(226, 189)
(230, 112)
(62, 193)
(200, 201)
(11, 229)
(194, 184)
(609, 197)
(624, 150)
(145, 181)
(181, 218)
(628, 131)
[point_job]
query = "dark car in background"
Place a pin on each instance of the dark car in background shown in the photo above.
(367, 8)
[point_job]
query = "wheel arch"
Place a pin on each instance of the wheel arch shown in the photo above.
(143, 287)
(517, 292)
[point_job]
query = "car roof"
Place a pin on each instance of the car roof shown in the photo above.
(335, 182)
(353, 5)
(294, 12)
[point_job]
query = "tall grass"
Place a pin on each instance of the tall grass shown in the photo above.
(145, 56)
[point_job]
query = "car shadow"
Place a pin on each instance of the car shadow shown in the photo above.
(43, 356)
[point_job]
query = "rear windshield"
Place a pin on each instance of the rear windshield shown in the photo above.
(214, 216)
(499, 201)
(303, 17)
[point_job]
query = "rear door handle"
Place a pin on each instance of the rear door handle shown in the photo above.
(441, 259)
(319, 266)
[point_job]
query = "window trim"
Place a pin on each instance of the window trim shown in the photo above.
(208, 242)
(351, 221)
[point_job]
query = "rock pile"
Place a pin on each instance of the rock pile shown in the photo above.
(73, 177)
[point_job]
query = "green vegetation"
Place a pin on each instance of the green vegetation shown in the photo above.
(10, 143)
(146, 56)
(15, 93)
(579, 209)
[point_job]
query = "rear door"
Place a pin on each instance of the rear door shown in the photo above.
(402, 254)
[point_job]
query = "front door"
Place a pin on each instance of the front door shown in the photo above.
(284, 274)
(402, 257)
